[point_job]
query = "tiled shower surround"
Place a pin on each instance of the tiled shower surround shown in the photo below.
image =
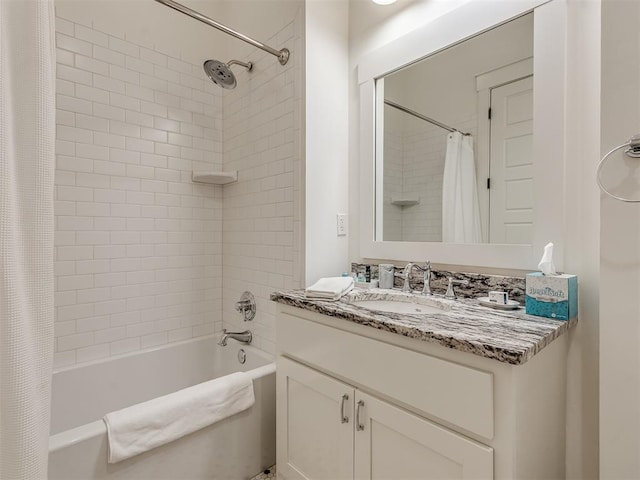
(139, 246)
(262, 222)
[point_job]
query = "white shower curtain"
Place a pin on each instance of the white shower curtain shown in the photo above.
(460, 209)
(27, 160)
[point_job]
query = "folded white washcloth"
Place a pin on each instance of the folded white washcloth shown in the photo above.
(148, 425)
(331, 288)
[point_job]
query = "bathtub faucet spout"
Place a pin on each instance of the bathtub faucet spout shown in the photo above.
(242, 337)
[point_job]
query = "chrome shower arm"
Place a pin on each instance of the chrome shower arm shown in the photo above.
(283, 55)
(248, 65)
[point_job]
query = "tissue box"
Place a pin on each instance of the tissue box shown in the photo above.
(552, 296)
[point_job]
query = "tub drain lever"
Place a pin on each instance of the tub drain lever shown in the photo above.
(247, 306)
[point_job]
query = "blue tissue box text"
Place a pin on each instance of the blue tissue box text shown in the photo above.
(552, 296)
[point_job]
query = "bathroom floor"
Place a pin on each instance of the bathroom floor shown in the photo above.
(267, 474)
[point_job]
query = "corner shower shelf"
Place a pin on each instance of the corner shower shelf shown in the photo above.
(404, 202)
(215, 178)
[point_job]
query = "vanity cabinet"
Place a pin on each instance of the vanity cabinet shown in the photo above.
(358, 402)
(313, 441)
(335, 431)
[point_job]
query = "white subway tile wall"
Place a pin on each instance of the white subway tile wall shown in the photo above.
(423, 169)
(262, 219)
(138, 245)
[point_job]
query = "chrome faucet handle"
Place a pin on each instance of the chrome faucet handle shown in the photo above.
(426, 288)
(405, 275)
(246, 306)
(451, 294)
(426, 280)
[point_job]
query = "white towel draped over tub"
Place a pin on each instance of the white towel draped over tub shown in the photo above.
(148, 425)
(460, 209)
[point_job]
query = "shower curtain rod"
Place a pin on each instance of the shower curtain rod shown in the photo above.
(283, 55)
(423, 117)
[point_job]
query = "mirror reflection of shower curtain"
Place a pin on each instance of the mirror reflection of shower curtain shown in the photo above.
(460, 209)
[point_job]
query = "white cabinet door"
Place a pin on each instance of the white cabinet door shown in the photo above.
(393, 444)
(314, 424)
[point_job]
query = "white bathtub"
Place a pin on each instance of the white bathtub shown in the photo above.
(236, 448)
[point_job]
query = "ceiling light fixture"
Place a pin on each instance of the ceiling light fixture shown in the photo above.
(384, 2)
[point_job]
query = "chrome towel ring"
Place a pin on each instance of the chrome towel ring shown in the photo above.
(633, 151)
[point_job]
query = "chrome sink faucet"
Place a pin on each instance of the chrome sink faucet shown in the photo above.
(242, 337)
(406, 276)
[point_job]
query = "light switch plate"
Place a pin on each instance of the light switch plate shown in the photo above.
(342, 224)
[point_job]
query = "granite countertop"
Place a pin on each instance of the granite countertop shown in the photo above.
(511, 337)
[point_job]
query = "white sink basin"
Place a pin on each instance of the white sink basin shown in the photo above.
(394, 306)
(389, 301)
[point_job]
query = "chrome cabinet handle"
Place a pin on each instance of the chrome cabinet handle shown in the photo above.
(359, 426)
(343, 417)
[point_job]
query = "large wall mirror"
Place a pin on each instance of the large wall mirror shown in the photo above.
(457, 142)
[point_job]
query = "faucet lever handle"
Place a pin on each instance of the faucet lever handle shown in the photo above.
(242, 305)
(451, 294)
(246, 306)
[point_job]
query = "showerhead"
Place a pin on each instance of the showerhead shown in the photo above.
(220, 73)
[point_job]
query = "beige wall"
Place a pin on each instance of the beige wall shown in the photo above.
(326, 137)
(582, 228)
(620, 255)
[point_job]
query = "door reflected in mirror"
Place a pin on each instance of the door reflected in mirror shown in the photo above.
(454, 143)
